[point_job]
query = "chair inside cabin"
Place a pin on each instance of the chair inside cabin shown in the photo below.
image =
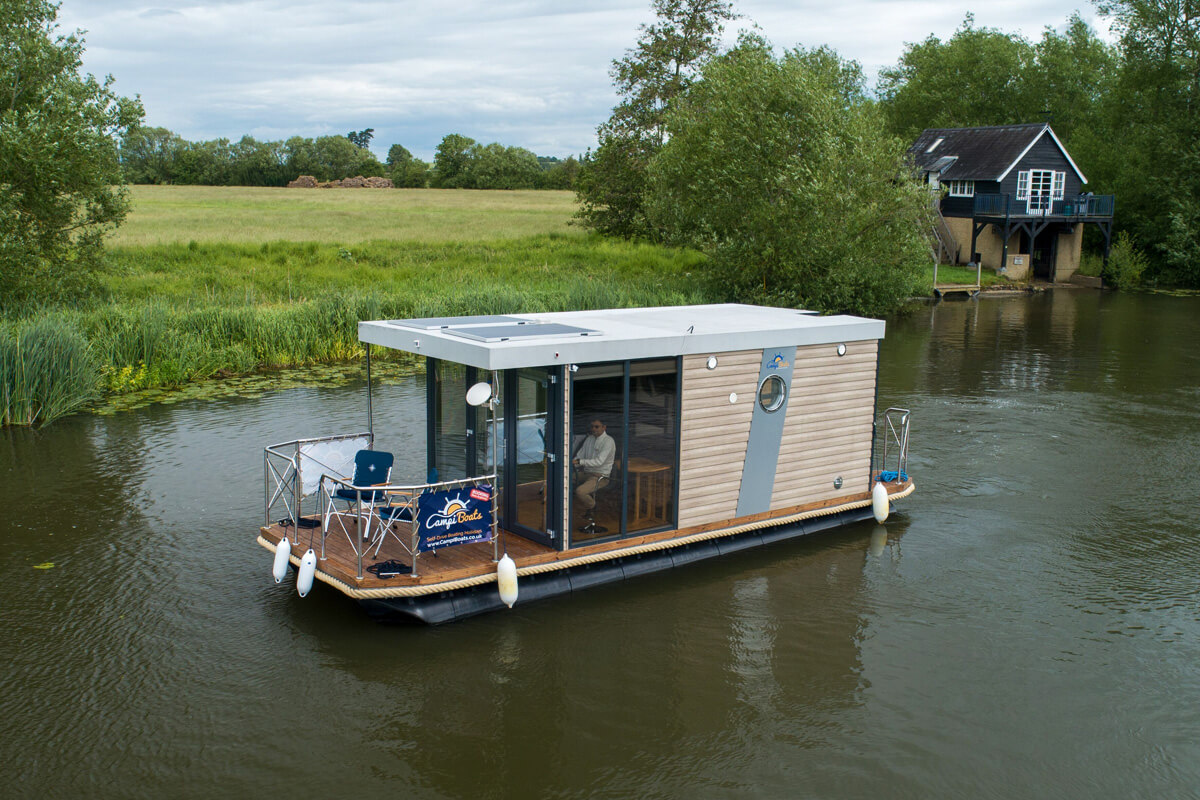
(608, 503)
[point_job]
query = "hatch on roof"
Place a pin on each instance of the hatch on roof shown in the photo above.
(528, 329)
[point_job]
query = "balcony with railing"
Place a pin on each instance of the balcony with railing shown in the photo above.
(1081, 207)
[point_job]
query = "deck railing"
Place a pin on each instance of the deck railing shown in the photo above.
(895, 444)
(301, 476)
(397, 515)
(1081, 206)
(292, 472)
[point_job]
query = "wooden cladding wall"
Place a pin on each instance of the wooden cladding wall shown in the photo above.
(714, 433)
(827, 432)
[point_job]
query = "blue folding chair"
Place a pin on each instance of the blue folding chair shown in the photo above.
(372, 468)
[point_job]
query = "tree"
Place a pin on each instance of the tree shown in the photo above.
(406, 171)
(974, 78)
(149, 155)
(1072, 72)
(361, 138)
(560, 174)
(790, 184)
(61, 187)
(450, 162)
(495, 166)
(649, 78)
(1153, 116)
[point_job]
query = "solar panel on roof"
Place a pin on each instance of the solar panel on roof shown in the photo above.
(503, 333)
(437, 323)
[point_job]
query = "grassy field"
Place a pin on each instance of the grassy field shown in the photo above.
(215, 282)
(218, 214)
(211, 282)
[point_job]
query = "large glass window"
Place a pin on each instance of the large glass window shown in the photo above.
(653, 432)
(625, 429)
(457, 431)
(449, 426)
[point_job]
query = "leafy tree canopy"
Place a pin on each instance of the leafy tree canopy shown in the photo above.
(649, 78)
(60, 176)
(1150, 136)
(983, 76)
(361, 138)
(792, 188)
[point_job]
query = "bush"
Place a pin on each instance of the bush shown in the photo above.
(1126, 263)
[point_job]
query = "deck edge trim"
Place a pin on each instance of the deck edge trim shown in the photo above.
(464, 583)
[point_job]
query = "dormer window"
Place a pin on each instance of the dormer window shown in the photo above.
(934, 146)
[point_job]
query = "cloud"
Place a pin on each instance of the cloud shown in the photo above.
(532, 73)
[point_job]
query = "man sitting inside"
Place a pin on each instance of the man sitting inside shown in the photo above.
(594, 462)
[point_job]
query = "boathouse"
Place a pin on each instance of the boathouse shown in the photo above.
(1011, 198)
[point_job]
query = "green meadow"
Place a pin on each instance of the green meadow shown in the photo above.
(208, 284)
(218, 214)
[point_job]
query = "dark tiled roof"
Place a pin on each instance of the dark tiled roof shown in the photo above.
(983, 154)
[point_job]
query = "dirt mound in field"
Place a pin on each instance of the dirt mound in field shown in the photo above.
(357, 182)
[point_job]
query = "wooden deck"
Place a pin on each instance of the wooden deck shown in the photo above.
(474, 560)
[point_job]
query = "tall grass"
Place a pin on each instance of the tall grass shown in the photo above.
(46, 371)
(182, 303)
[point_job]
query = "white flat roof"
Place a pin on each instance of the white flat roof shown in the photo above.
(585, 337)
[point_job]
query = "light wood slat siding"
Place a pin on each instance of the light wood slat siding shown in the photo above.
(828, 427)
(714, 434)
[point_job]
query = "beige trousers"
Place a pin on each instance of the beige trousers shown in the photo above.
(586, 490)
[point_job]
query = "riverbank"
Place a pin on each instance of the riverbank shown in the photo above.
(176, 314)
(216, 283)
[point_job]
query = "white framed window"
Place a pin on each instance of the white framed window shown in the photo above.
(1060, 180)
(1023, 185)
(932, 178)
(962, 188)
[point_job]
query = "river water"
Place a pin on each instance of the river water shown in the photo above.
(1028, 625)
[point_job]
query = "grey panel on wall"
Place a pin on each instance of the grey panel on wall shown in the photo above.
(766, 432)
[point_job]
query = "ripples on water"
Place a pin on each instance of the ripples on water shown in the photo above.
(1026, 626)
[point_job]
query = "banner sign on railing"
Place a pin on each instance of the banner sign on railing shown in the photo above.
(455, 517)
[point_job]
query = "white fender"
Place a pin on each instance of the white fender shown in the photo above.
(308, 568)
(880, 504)
(506, 577)
(283, 554)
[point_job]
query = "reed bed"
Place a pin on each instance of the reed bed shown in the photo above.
(46, 371)
(179, 313)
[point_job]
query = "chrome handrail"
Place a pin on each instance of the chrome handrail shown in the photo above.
(411, 492)
(896, 427)
(281, 462)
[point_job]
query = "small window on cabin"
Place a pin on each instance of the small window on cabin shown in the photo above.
(771, 393)
(962, 188)
(934, 146)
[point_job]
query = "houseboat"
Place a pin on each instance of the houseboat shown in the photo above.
(567, 450)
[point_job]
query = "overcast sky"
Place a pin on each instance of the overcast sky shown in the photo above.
(532, 73)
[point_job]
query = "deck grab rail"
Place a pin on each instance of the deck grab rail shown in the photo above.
(300, 469)
(397, 517)
(895, 443)
(292, 472)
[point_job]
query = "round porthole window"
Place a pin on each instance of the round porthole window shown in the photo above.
(771, 393)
